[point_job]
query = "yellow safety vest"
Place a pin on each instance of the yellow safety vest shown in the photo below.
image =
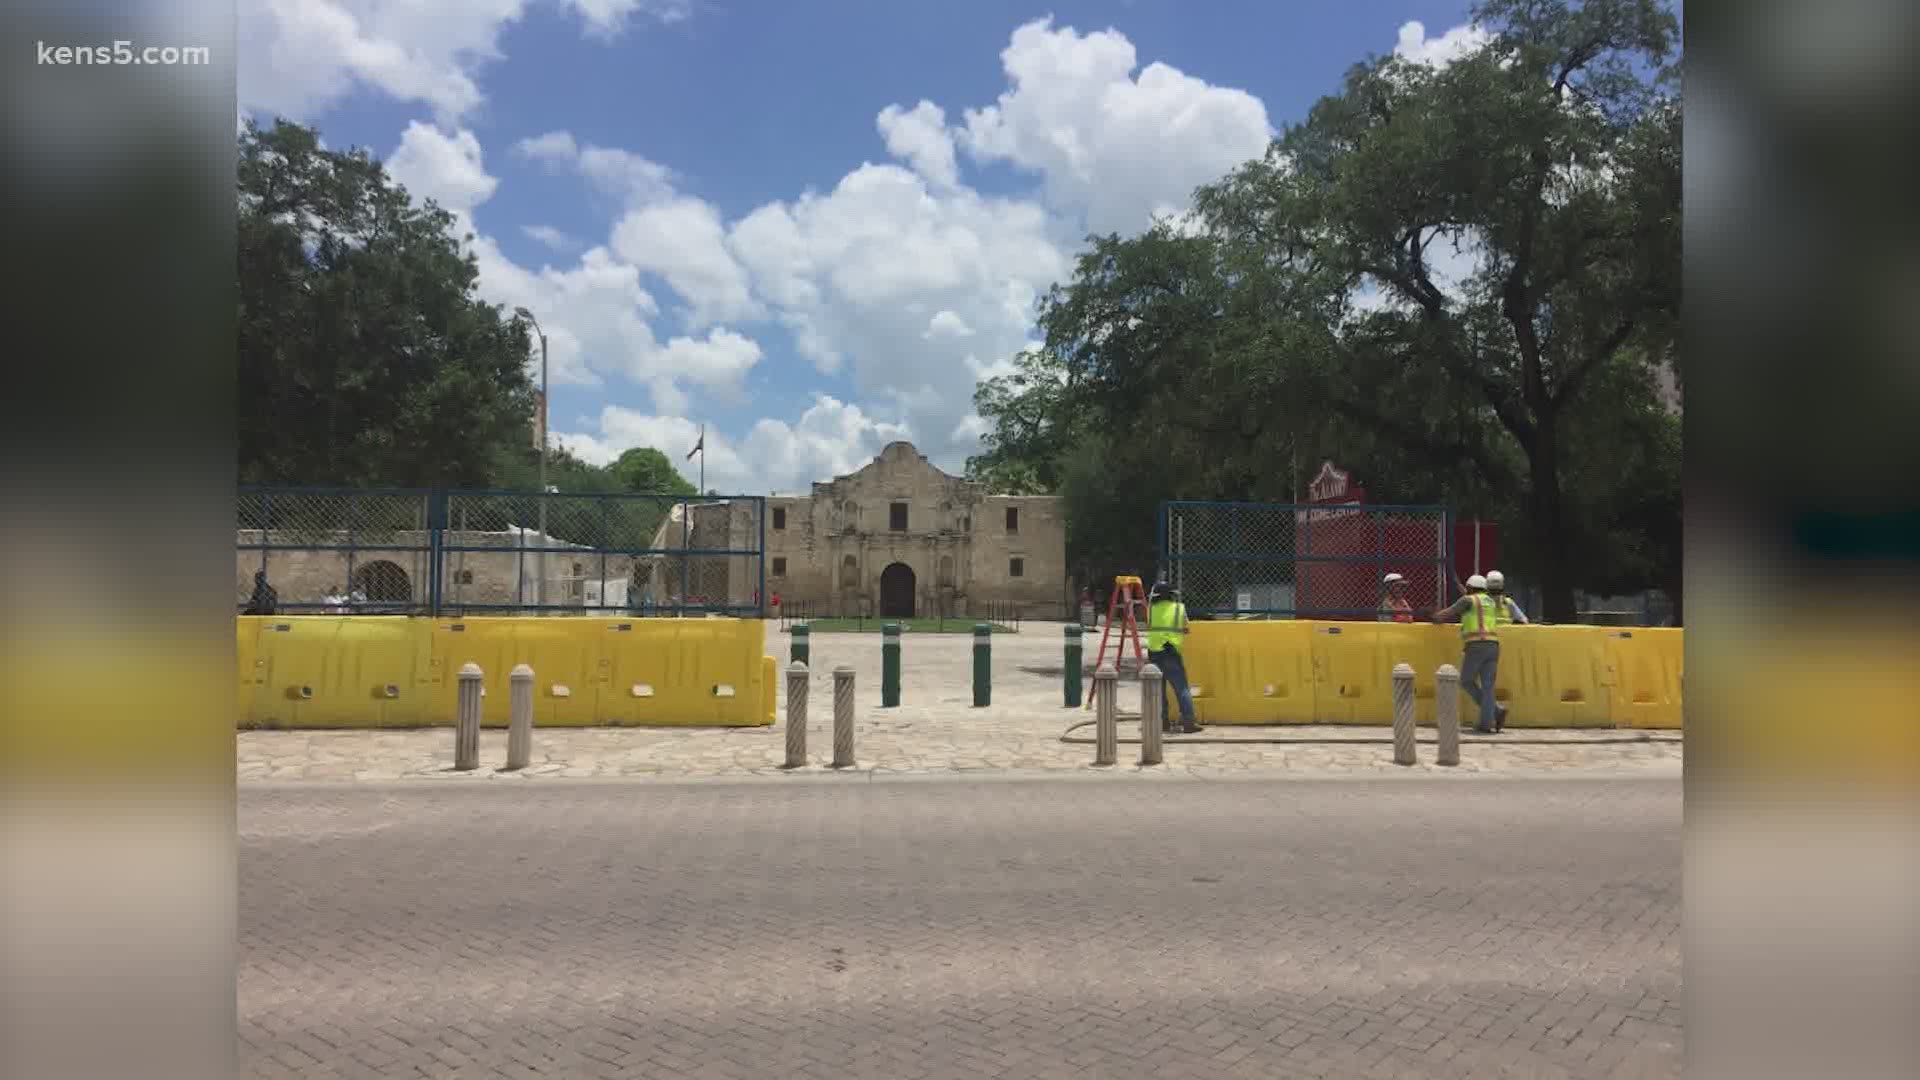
(1163, 624)
(1502, 614)
(1481, 620)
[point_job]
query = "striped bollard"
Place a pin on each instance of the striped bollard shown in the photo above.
(1106, 717)
(1072, 669)
(520, 718)
(796, 715)
(842, 717)
(1446, 713)
(466, 727)
(1403, 745)
(1152, 702)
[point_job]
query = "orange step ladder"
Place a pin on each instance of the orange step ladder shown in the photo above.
(1128, 598)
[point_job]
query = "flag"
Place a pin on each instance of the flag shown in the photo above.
(698, 446)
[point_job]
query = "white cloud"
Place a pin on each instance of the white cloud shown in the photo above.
(684, 242)
(1111, 146)
(830, 438)
(946, 324)
(904, 282)
(433, 164)
(550, 236)
(621, 173)
(299, 57)
(606, 18)
(1414, 44)
(920, 138)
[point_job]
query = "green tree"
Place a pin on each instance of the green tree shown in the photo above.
(365, 357)
(1553, 156)
(647, 470)
(1241, 352)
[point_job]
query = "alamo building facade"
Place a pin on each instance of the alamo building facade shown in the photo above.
(899, 538)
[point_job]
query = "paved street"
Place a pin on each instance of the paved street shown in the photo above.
(932, 927)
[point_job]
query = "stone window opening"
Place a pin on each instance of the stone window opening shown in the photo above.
(779, 566)
(779, 517)
(897, 517)
(1016, 567)
(1013, 519)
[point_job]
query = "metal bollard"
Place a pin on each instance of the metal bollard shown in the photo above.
(1403, 745)
(842, 717)
(466, 727)
(520, 719)
(802, 650)
(1446, 713)
(1152, 703)
(1106, 716)
(890, 665)
(1072, 669)
(796, 715)
(982, 665)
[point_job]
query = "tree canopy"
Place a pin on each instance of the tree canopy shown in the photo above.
(1462, 281)
(365, 355)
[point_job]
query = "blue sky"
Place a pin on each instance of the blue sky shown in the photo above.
(812, 226)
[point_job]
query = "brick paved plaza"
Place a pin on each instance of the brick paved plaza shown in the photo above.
(922, 927)
(934, 730)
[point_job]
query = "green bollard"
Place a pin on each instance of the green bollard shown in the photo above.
(1073, 666)
(982, 665)
(889, 665)
(802, 649)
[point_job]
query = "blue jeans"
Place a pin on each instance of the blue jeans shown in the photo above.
(1175, 670)
(1478, 668)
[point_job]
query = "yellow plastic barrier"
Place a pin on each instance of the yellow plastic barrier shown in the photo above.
(1553, 676)
(1286, 672)
(374, 671)
(1250, 672)
(320, 671)
(1646, 666)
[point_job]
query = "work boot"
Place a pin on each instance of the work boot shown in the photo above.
(1191, 728)
(1499, 718)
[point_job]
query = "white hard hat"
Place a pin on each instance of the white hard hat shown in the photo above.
(1476, 582)
(1496, 580)
(1391, 578)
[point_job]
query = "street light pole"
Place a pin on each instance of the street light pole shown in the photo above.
(540, 582)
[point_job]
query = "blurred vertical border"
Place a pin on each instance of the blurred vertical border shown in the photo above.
(1802, 384)
(117, 878)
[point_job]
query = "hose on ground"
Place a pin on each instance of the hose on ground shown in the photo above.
(1174, 739)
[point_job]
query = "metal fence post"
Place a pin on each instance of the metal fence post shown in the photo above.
(1106, 718)
(1152, 702)
(842, 717)
(982, 665)
(1403, 745)
(1446, 713)
(520, 719)
(890, 665)
(802, 651)
(796, 715)
(466, 728)
(1073, 667)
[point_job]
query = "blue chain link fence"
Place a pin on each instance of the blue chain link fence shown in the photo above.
(417, 552)
(1299, 561)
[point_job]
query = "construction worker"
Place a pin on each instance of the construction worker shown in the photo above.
(1166, 633)
(1480, 661)
(1504, 605)
(1395, 607)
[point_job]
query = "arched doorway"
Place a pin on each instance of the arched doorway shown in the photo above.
(383, 583)
(896, 592)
